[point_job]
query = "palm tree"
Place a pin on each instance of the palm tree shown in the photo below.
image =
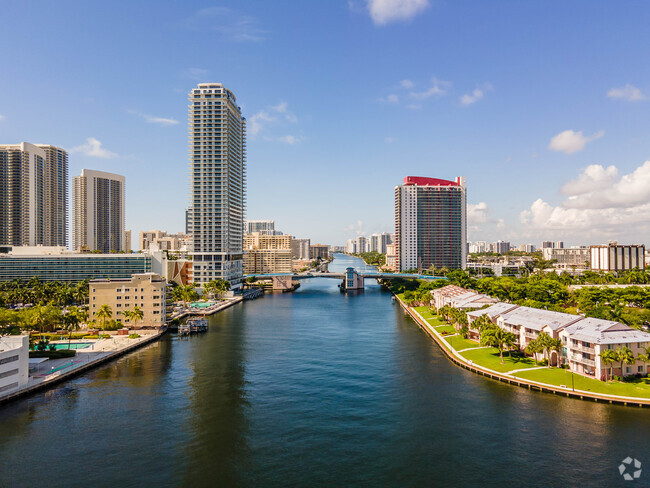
(625, 356)
(104, 313)
(500, 339)
(136, 314)
(533, 348)
(607, 357)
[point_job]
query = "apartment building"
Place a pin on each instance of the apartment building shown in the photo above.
(615, 257)
(98, 211)
(265, 254)
(217, 143)
(14, 363)
(33, 195)
(301, 249)
(319, 251)
(148, 291)
(431, 223)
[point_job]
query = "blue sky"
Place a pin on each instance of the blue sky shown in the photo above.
(542, 106)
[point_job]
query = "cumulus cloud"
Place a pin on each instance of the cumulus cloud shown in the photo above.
(475, 95)
(392, 98)
(408, 84)
(594, 178)
(93, 148)
(570, 142)
(274, 115)
(438, 88)
(627, 92)
(227, 23)
(599, 204)
(383, 12)
(478, 213)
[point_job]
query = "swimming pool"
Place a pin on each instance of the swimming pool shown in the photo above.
(201, 304)
(73, 345)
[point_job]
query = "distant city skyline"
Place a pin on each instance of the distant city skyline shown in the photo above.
(547, 118)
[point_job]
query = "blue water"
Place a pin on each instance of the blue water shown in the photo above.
(73, 345)
(315, 388)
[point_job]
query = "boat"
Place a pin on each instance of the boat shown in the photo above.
(193, 326)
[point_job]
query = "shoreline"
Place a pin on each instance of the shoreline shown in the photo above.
(29, 390)
(459, 360)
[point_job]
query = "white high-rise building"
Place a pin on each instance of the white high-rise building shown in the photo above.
(262, 227)
(430, 223)
(33, 195)
(217, 138)
(98, 211)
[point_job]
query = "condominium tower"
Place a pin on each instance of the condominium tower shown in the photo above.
(430, 223)
(217, 139)
(33, 195)
(98, 211)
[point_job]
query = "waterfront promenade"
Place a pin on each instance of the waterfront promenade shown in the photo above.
(462, 353)
(52, 371)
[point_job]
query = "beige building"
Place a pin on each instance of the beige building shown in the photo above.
(162, 241)
(265, 254)
(148, 291)
(98, 211)
(319, 251)
(391, 256)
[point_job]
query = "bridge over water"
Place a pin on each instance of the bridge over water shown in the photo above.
(351, 278)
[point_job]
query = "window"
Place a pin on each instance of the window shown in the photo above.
(640, 369)
(11, 372)
(10, 359)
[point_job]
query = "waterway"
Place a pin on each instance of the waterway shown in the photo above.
(315, 388)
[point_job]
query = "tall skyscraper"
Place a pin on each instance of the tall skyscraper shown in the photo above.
(33, 195)
(431, 223)
(98, 211)
(217, 138)
(264, 227)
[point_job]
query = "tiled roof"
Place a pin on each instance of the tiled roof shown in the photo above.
(537, 319)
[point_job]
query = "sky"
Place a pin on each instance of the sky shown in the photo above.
(542, 106)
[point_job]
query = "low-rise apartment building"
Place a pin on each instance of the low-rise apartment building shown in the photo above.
(264, 254)
(460, 298)
(614, 257)
(148, 291)
(14, 363)
(583, 338)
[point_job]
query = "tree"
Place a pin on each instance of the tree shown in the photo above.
(607, 357)
(500, 339)
(625, 356)
(104, 313)
(135, 314)
(533, 348)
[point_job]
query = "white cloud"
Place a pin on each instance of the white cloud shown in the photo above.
(227, 23)
(414, 106)
(628, 92)
(274, 115)
(392, 98)
(2, 116)
(390, 140)
(258, 121)
(570, 141)
(478, 213)
(438, 88)
(290, 139)
(93, 148)
(153, 119)
(408, 84)
(475, 95)
(383, 12)
(600, 205)
(594, 178)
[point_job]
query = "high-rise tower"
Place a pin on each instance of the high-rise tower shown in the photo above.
(431, 223)
(98, 211)
(217, 138)
(33, 195)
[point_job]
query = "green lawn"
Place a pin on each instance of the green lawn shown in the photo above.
(489, 358)
(458, 343)
(557, 376)
(445, 328)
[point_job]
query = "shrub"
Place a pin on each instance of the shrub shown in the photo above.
(91, 337)
(105, 336)
(60, 354)
(134, 336)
